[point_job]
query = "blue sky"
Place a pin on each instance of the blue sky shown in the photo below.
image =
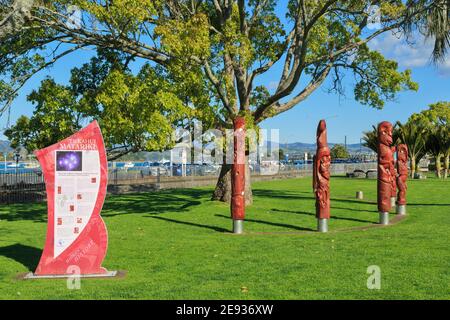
(345, 116)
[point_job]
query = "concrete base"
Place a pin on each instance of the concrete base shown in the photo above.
(359, 195)
(238, 226)
(322, 225)
(401, 209)
(393, 202)
(31, 275)
(384, 218)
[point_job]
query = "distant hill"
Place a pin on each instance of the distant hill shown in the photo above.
(298, 147)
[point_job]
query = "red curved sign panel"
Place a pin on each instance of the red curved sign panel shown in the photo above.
(76, 173)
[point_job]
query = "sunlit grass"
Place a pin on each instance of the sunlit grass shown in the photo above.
(176, 245)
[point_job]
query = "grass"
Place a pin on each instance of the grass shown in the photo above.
(176, 245)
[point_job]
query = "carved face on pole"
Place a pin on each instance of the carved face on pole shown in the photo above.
(325, 163)
(402, 153)
(322, 162)
(402, 169)
(385, 133)
(385, 166)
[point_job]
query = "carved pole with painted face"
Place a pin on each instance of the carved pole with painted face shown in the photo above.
(402, 170)
(322, 162)
(385, 160)
(238, 176)
(394, 177)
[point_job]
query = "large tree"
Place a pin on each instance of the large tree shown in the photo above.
(436, 120)
(413, 133)
(136, 113)
(226, 44)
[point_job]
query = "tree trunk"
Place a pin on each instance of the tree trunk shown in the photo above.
(222, 191)
(413, 166)
(438, 166)
(446, 165)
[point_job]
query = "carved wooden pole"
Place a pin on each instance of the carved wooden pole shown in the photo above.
(394, 177)
(402, 170)
(238, 176)
(322, 162)
(314, 174)
(384, 182)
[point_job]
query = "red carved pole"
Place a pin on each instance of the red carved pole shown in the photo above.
(402, 170)
(314, 173)
(238, 176)
(322, 162)
(384, 182)
(394, 177)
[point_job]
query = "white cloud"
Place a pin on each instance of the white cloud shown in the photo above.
(414, 53)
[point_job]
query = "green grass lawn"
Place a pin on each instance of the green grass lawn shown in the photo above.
(176, 245)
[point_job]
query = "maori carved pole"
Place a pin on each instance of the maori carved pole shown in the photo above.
(314, 173)
(402, 170)
(238, 176)
(385, 160)
(394, 177)
(322, 162)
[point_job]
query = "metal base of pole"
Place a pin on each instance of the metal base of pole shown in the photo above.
(322, 225)
(359, 195)
(384, 218)
(238, 226)
(401, 209)
(393, 202)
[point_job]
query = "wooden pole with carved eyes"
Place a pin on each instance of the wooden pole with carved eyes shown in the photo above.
(384, 180)
(394, 177)
(238, 176)
(402, 170)
(321, 167)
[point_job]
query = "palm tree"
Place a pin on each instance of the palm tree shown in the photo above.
(371, 139)
(445, 138)
(435, 146)
(413, 134)
(433, 21)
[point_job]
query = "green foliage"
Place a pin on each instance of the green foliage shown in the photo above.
(55, 117)
(136, 113)
(218, 48)
(379, 79)
(338, 151)
(140, 109)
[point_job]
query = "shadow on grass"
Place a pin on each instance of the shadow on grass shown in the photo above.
(276, 224)
(333, 217)
(353, 209)
(352, 201)
(430, 204)
(215, 228)
(28, 212)
(26, 255)
(281, 194)
(153, 202)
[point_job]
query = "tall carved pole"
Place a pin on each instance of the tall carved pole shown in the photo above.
(314, 173)
(322, 162)
(384, 184)
(394, 177)
(402, 170)
(238, 176)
